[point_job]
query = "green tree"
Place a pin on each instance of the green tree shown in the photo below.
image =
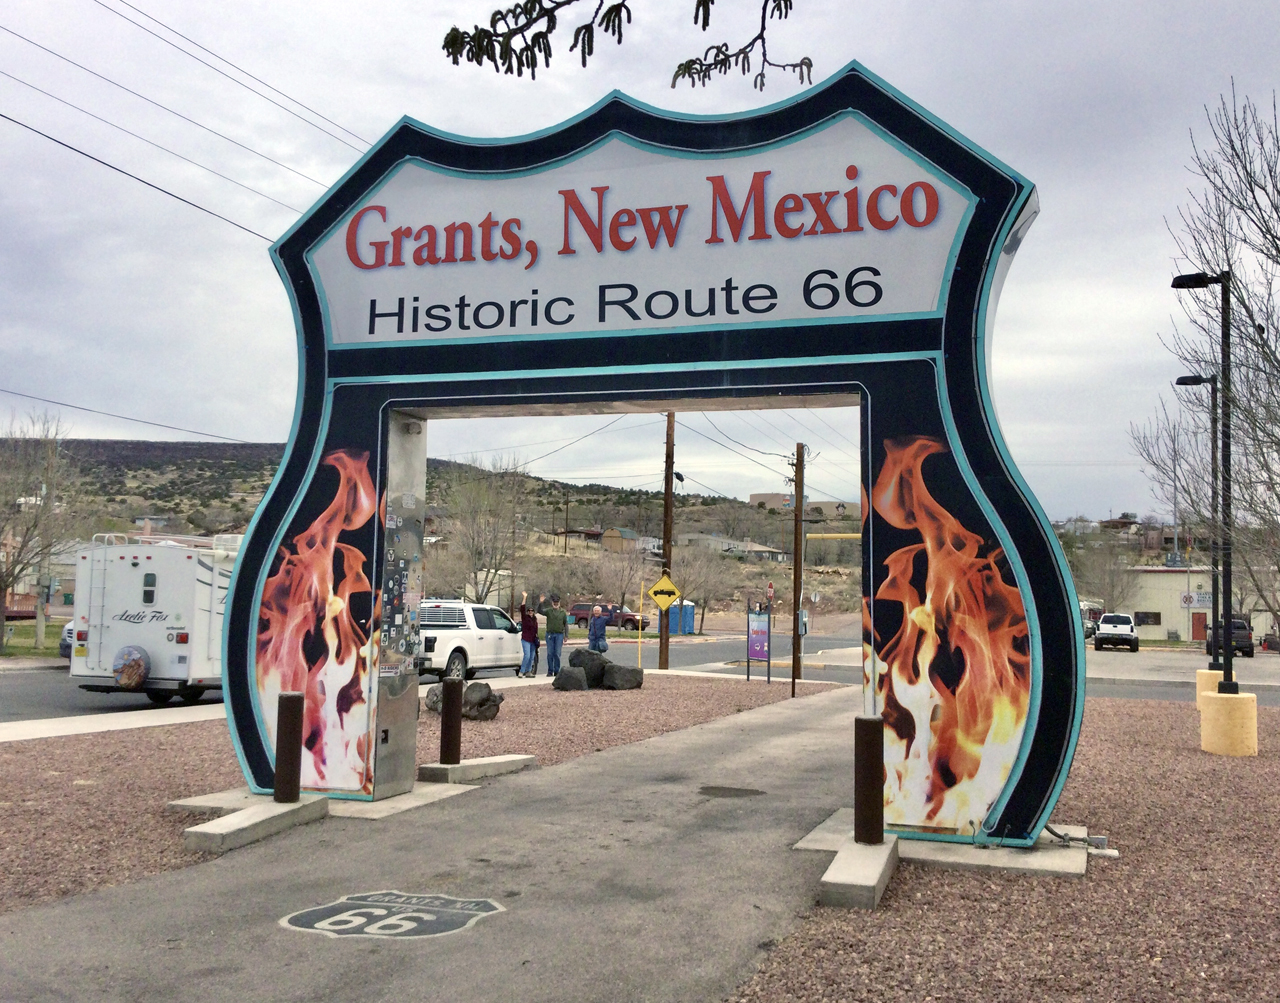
(519, 38)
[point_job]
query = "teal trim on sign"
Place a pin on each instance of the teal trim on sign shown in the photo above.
(253, 522)
(663, 367)
(1046, 528)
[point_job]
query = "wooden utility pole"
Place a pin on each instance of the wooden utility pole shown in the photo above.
(566, 523)
(668, 526)
(797, 567)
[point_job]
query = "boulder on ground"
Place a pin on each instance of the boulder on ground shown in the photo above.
(622, 677)
(570, 677)
(479, 701)
(592, 664)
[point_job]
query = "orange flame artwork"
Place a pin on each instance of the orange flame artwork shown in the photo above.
(309, 640)
(955, 679)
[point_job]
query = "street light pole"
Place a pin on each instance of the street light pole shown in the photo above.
(1202, 280)
(1228, 684)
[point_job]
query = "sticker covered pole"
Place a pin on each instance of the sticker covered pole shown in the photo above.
(668, 526)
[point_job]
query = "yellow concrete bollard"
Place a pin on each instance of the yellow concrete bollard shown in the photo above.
(1206, 682)
(1229, 724)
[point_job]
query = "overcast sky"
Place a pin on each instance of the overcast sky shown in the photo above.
(116, 297)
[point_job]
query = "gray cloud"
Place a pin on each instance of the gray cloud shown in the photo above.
(119, 298)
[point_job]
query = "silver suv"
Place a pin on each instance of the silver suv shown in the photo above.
(456, 638)
(1116, 630)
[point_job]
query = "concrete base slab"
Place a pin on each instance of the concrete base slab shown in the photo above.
(474, 769)
(1047, 858)
(421, 794)
(248, 825)
(831, 834)
(220, 803)
(859, 874)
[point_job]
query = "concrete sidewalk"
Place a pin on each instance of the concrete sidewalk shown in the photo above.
(632, 874)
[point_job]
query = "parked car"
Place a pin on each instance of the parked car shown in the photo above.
(68, 637)
(619, 616)
(1116, 630)
(1090, 628)
(455, 638)
(1241, 638)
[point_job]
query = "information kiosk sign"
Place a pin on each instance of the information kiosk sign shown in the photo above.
(842, 247)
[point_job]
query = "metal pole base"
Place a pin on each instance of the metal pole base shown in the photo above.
(1229, 687)
(868, 779)
(451, 721)
(288, 747)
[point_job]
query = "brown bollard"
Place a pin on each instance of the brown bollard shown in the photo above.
(451, 722)
(868, 779)
(288, 747)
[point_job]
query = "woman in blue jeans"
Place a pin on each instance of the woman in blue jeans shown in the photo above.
(528, 635)
(595, 630)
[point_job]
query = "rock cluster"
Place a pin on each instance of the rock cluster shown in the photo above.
(590, 670)
(480, 701)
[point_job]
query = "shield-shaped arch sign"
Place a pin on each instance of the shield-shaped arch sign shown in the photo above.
(842, 247)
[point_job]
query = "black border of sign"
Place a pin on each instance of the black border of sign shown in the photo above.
(999, 193)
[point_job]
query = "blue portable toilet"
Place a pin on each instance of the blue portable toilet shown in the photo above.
(680, 617)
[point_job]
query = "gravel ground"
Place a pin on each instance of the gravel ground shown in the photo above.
(556, 726)
(79, 812)
(1188, 912)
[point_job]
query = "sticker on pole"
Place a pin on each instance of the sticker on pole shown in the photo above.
(664, 592)
(395, 915)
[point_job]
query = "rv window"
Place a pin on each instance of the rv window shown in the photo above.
(149, 589)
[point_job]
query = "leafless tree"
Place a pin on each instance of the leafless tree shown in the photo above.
(618, 574)
(1103, 572)
(480, 530)
(35, 478)
(703, 577)
(1232, 224)
(518, 39)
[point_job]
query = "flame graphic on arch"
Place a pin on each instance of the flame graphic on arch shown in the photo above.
(309, 640)
(954, 679)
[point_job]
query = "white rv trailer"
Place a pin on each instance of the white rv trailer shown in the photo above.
(148, 614)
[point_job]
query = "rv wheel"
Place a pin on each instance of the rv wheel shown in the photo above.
(159, 697)
(191, 695)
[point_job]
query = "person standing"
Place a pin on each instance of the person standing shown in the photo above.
(595, 630)
(528, 636)
(557, 631)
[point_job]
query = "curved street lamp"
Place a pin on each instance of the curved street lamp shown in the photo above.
(1202, 280)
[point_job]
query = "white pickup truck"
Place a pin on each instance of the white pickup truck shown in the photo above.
(455, 638)
(1116, 630)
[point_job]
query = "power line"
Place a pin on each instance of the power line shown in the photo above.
(121, 170)
(736, 442)
(833, 428)
(752, 459)
(147, 141)
(162, 107)
(241, 69)
(122, 417)
(579, 439)
(224, 73)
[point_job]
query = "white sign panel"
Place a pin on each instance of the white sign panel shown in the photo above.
(837, 225)
(1196, 600)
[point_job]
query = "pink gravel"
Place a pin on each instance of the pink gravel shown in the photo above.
(88, 811)
(1190, 910)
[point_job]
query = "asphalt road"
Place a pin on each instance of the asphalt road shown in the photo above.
(1151, 674)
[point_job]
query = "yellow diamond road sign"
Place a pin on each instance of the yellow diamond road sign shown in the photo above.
(664, 592)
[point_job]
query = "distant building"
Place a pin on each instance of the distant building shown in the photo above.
(586, 535)
(155, 521)
(734, 548)
(619, 540)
